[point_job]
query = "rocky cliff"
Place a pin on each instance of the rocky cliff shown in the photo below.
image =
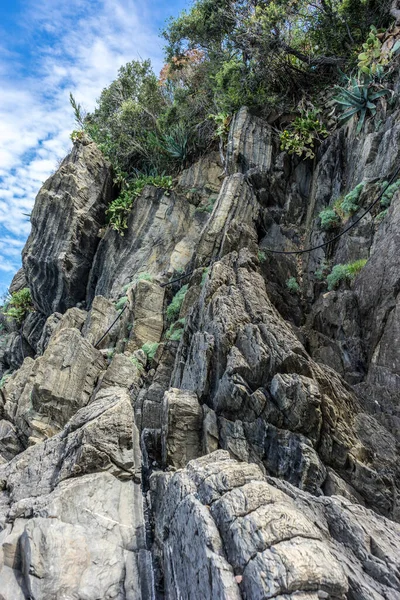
(235, 433)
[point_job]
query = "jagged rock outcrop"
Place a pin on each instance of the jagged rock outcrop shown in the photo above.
(201, 182)
(232, 222)
(274, 405)
(18, 282)
(182, 422)
(44, 394)
(249, 144)
(71, 509)
(226, 442)
(260, 538)
(68, 213)
(161, 237)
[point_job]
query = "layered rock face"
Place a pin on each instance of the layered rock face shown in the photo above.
(225, 438)
(68, 212)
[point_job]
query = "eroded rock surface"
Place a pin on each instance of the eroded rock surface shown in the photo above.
(224, 531)
(68, 213)
(244, 445)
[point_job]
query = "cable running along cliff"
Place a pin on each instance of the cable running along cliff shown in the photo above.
(339, 235)
(336, 237)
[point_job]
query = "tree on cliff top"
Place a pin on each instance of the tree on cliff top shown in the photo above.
(220, 55)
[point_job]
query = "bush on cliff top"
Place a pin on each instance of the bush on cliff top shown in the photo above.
(221, 55)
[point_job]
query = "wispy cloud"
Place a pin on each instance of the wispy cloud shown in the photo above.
(79, 46)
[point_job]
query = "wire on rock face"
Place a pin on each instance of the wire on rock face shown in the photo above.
(111, 326)
(336, 237)
(339, 235)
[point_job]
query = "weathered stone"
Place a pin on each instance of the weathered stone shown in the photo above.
(84, 539)
(201, 182)
(101, 316)
(48, 330)
(18, 282)
(161, 237)
(10, 444)
(16, 350)
(41, 397)
(231, 225)
(32, 329)
(146, 300)
(68, 212)
(100, 437)
(273, 402)
(122, 372)
(249, 144)
(181, 428)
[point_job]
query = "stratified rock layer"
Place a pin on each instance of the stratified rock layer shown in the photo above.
(68, 213)
(242, 444)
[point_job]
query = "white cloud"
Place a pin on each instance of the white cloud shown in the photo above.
(86, 44)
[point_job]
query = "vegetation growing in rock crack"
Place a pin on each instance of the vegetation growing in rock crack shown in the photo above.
(350, 203)
(262, 257)
(329, 219)
(346, 272)
(303, 134)
(389, 193)
(174, 307)
(19, 305)
(119, 209)
(121, 303)
(292, 285)
(150, 349)
(345, 206)
(175, 331)
(137, 363)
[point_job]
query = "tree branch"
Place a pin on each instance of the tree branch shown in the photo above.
(312, 62)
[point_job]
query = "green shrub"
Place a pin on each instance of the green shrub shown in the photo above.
(119, 209)
(150, 349)
(329, 219)
(262, 257)
(321, 272)
(379, 217)
(174, 307)
(349, 204)
(293, 286)
(121, 303)
(345, 272)
(136, 362)
(175, 331)
(390, 192)
(19, 305)
(303, 134)
(4, 380)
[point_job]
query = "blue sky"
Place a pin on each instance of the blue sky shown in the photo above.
(48, 49)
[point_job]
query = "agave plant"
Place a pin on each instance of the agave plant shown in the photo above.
(176, 143)
(358, 98)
